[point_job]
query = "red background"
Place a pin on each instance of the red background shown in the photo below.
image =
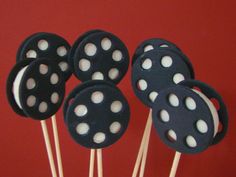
(204, 30)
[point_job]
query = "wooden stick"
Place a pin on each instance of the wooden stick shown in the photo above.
(141, 147)
(48, 147)
(175, 164)
(145, 150)
(91, 163)
(99, 162)
(57, 146)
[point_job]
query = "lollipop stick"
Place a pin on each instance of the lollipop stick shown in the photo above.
(140, 152)
(57, 146)
(145, 150)
(48, 147)
(175, 164)
(91, 164)
(99, 162)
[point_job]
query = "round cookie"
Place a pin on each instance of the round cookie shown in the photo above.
(41, 88)
(185, 119)
(156, 70)
(76, 44)
(153, 44)
(46, 45)
(101, 56)
(98, 116)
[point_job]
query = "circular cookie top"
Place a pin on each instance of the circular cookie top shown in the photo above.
(183, 120)
(46, 45)
(101, 56)
(98, 116)
(156, 70)
(42, 89)
(153, 44)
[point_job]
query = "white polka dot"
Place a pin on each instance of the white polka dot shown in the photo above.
(31, 54)
(43, 106)
(43, 69)
(113, 73)
(63, 66)
(173, 100)
(164, 115)
(148, 48)
(191, 142)
(54, 78)
(171, 135)
(152, 96)
(61, 51)
(97, 76)
(97, 97)
(106, 44)
(99, 137)
(82, 128)
(90, 49)
(80, 110)
(30, 84)
(116, 106)
(202, 126)
(31, 100)
(43, 44)
(190, 103)
(166, 61)
(164, 45)
(142, 84)
(54, 97)
(115, 127)
(147, 63)
(84, 65)
(178, 77)
(117, 55)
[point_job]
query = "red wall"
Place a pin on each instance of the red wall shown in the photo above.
(204, 30)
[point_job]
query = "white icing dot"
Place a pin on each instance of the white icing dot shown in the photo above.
(147, 63)
(30, 83)
(99, 137)
(43, 69)
(84, 65)
(97, 97)
(171, 135)
(164, 45)
(90, 49)
(148, 48)
(152, 96)
(173, 100)
(80, 110)
(202, 126)
(117, 55)
(166, 61)
(63, 66)
(82, 128)
(54, 78)
(43, 44)
(31, 100)
(142, 84)
(113, 73)
(106, 44)
(178, 77)
(31, 54)
(54, 97)
(97, 76)
(115, 127)
(190, 103)
(43, 106)
(116, 106)
(191, 142)
(61, 51)
(164, 115)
